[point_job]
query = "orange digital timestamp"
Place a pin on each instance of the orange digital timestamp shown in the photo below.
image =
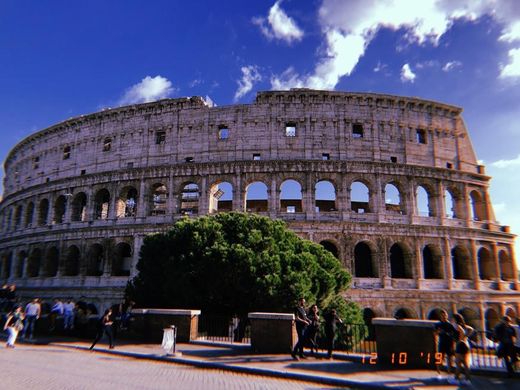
(371, 359)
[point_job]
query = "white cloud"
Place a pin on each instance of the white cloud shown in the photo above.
(513, 68)
(449, 66)
(380, 67)
(250, 75)
(278, 25)
(148, 90)
(407, 76)
(349, 27)
(506, 163)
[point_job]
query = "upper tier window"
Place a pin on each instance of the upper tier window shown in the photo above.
(66, 152)
(357, 130)
(223, 132)
(107, 144)
(290, 130)
(160, 137)
(421, 136)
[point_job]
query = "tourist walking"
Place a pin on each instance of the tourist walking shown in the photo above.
(32, 314)
(302, 321)
(13, 325)
(462, 334)
(445, 333)
(331, 322)
(105, 326)
(311, 332)
(68, 315)
(56, 310)
(505, 335)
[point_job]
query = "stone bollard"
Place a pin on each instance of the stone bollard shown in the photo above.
(272, 332)
(149, 323)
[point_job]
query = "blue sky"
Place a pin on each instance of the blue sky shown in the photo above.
(60, 59)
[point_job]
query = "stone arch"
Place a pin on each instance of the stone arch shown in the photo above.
(21, 259)
(95, 260)
(291, 198)
(29, 214)
(122, 260)
(43, 212)
(461, 262)
(221, 197)
(52, 261)
(359, 197)
(325, 196)
(257, 199)
(72, 261)
(34, 263)
(432, 262)
(79, 207)
(471, 317)
(491, 319)
(189, 201)
(331, 247)
(101, 204)
(402, 313)
(127, 202)
(365, 265)
(400, 262)
(423, 201)
(393, 201)
(506, 266)
(486, 265)
(478, 206)
(158, 199)
(60, 207)
(18, 212)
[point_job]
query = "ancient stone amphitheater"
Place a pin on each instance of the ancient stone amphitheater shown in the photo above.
(389, 184)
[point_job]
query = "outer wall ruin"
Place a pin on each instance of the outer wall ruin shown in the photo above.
(406, 206)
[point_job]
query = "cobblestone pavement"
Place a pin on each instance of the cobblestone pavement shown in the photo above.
(47, 367)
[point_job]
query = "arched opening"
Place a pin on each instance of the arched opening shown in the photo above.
(449, 205)
(190, 199)
(491, 319)
(72, 261)
(127, 203)
(159, 199)
(400, 264)
(79, 207)
(506, 266)
(404, 313)
(331, 247)
(471, 317)
(52, 261)
(364, 266)
(435, 314)
(59, 209)
(392, 199)
(6, 265)
(20, 264)
(34, 263)
(423, 202)
(122, 261)
(101, 204)
(256, 197)
(368, 316)
(486, 266)
(359, 198)
(221, 198)
(29, 214)
(325, 195)
(291, 197)
(95, 260)
(43, 212)
(18, 216)
(461, 263)
(478, 206)
(432, 262)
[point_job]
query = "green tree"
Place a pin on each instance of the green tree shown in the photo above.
(234, 263)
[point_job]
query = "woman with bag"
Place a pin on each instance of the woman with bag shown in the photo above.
(13, 325)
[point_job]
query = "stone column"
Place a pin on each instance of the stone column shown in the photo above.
(173, 196)
(514, 271)
(440, 203)
(203, 207)
(474, 262)
(467, 206)
(448, 265)
(113, 201)
(238, 202)
(309, 202)
(419, 274)
(494, 250)
(68, 208)
(138, 242)
(91, 205)
(482, 312)
(141, 205)
(377, 200)
(274, 198)
(488, 208)
(50, 214)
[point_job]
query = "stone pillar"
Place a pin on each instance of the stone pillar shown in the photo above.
(467, 206)
(91, 206)
(50, 214)
(412, 200)
(173, 196)
(149, 323)
(203, 207)
(309, 202)
(68, 208)
(448, 265)
(274, 198)
(113, 201)
(482, 312)
(514, 271)
(440, 203)
(272, 332)
(141, 205)
(474, 262)
(494, 250)
(488, 208)
(419, 273)
(138, 242)
(238, 201)
(378, 201)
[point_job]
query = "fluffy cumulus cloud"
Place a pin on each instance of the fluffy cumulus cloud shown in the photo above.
(148, 90)
(349, 26)
(250, 76)
(515, 162)
(513, 68)
(279, 25)
(451, 65)
(407, 76)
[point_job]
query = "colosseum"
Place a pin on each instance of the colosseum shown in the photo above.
(389, 184)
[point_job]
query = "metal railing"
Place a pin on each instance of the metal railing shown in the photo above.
(224, 329)
(483, 352)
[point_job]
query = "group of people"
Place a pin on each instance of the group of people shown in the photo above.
(307, 327)
(453, 342)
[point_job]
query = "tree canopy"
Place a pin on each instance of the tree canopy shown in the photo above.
(234, 263)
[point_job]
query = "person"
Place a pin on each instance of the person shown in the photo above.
(13, 325)
(68, 315)
(302, 321)
(505, 335)
(32, 314)
(311, 332)
(105, 326)
(126, 312)
(331, 321)
(445, 333)
(462, 334)
(56, 310)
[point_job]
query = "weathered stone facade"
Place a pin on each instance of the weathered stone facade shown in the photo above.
(81, 195)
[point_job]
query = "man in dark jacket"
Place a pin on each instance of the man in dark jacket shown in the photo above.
(331, 321)
(302, 321)
(505, 334)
